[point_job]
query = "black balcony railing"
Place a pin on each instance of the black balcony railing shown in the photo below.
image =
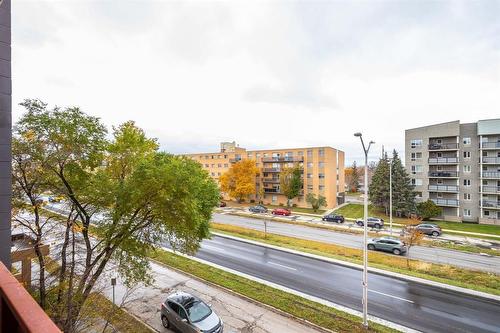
(282, 159)
(271, 180)
(446, 202)
(443, 160)
(490, 174)
(490, 145)
(271, 190)
(234, 160)
(443, 188)
(443, 174)
(491, 189)
(272, 169)
(443, 146)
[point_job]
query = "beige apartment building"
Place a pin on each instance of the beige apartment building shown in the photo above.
(458, 167)
(323, 170)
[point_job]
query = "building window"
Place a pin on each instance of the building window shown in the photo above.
(309, 187)
(486, 213)
(309, 175)
(226, 165)
(321, 187)
(467, 196)
(257, 164)
(219, 165)
(321, 152)
(274, 198)
(416, 156)
(416, 181)
(309, 153)
(257, 155)
(225, 156)
(439, 195)
(416, 169)
(321, 175)
(218, 173)
(206, 165)
(467, 212)
(249, 155)
(300, 153)
(466, 141)
(309, 164)
(213, 165)
(213, 157)
(416, 143)
(467, 169)
(213, 174)
(418, 195)
(466, 154)
(265, 154)
(321, 164)
(467, 182)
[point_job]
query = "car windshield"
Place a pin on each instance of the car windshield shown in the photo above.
(198, 311)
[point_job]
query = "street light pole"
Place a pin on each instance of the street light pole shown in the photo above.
(365, 233)
(390, 195)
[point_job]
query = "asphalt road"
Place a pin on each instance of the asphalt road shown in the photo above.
(414, 305)
(435, 255)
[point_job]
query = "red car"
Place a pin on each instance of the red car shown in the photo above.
(281, 211)
(222, 204)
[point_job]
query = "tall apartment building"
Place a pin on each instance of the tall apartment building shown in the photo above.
(323, 170)
(458, 167)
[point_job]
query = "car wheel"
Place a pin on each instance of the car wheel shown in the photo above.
(435, 233)
(396, 251)
(164, 322)
(371, 247)
(359, 223)
(378, 226)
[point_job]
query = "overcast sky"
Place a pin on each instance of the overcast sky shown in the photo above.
(265, 74)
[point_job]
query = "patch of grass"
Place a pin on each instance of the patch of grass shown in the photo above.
(476, 280)
(316, 313)
(356, 211)
(463, 247)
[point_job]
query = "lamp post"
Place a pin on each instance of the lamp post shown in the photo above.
(390, 195)
(365, 233)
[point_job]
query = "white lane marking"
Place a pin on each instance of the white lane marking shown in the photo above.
(396, 297)
(213, 248)
(276, 264)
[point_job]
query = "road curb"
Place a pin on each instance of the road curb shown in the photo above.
(246, 298)
(378, 271)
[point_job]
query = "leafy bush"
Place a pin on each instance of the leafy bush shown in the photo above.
(428, 209)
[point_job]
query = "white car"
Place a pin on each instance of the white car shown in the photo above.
(373, 222)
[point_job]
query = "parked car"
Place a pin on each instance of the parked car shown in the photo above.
(56, 198)
(281, 211)
(429, 229)
(387, 244)
(258, 209)
(373, 222)
(333, 218)
(189, 314)
(222, 204)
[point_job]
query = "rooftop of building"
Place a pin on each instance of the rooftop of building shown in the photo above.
(265, 150)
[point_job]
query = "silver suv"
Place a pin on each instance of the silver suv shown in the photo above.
(373, 222)
(189, 314)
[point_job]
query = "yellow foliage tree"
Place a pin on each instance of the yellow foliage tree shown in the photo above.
(239, 181)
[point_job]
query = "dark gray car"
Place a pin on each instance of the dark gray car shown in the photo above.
(373, 222)
(258, 209)
(429, 229)
(188, 314)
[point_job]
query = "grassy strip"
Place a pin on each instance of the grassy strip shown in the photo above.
(476, 280)
(462, 247)
(356, 211)
(316, 313)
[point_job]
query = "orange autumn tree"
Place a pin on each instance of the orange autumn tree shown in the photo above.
(239, 181)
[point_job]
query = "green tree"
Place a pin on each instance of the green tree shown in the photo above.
(428, 209)
(354, 178)
(403, 196)
(291, 183)
(378, 192)
(315, 202)
(129, 193)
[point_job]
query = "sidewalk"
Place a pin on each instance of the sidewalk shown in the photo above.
(238, 315)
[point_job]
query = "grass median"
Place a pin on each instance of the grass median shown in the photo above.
(356, 211)
(452, 275)
(297, 306)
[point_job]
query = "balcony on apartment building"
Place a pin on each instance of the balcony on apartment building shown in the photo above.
(490, 204)
(443, 174)
(19, 311)
(490, 145)
(234, 160)
(283, 159)
(273, 180)
(272, 170)
(490, 174)
(443, 146)
(491, 189)
(446, 202)
(491, 160)
(443, 188)
(443, 160)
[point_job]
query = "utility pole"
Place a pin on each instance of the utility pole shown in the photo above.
(390, 195)
(365, 234)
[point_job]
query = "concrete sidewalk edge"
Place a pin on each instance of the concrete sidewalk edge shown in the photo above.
(371, 269)
(288, 290)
